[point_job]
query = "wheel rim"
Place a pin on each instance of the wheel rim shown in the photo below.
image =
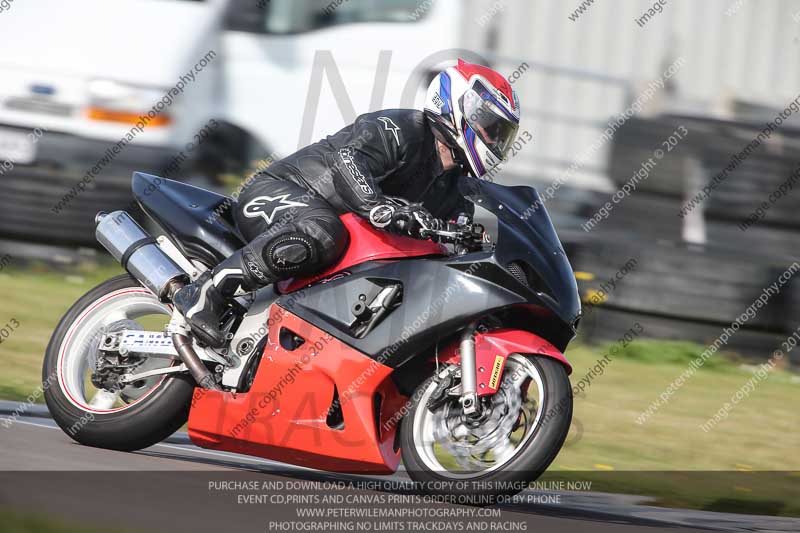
(449, 446)
(78, 351)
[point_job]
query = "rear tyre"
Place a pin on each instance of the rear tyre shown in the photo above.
(133, 418)
(496, 466)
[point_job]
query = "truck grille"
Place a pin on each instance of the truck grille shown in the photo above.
(39, 105)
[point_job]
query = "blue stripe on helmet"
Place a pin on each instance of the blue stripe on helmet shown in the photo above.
(444, 91)
(469, 137)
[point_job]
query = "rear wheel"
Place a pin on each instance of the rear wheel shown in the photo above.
(521, 430)
(80, 393)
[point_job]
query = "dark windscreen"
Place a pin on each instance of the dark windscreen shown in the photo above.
(526, 233)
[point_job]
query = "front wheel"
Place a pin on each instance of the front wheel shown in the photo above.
(79, 381)
(520, 431)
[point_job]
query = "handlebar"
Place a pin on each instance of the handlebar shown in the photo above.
(456, 233)
(463, 233)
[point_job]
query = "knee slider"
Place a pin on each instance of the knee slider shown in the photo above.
(290, 254)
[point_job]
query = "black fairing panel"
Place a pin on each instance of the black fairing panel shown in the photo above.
(526, 234)
(197, 220)
(440, 297)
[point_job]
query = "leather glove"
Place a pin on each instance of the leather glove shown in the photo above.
(412, 220)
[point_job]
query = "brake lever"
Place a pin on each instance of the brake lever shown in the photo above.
(446, 236)
(455, 236)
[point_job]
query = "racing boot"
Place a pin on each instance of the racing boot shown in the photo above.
(203, 305)
(269, 258)
(204, 301)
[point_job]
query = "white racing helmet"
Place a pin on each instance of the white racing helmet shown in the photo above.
(474, 111)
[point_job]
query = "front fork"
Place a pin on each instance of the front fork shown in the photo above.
(469, 377)
(479, 358)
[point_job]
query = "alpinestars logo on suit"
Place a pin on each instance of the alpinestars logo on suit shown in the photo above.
(269, 206)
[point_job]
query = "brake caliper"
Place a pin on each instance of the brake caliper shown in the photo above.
(445, 381)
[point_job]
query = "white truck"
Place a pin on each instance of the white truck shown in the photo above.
(91, 90)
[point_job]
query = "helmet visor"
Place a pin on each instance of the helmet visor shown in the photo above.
(486, 116)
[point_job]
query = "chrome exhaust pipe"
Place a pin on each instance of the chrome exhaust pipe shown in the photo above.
(138, 253)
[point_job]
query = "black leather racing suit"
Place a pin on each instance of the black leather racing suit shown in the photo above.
(289, 213)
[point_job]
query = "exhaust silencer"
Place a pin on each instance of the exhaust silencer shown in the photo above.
(138, 252)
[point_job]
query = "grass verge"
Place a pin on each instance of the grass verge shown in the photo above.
(746, 463)
(17, 522)
(36, 298)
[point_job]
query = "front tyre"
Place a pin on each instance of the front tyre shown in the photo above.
(521, 430)
(137, 416)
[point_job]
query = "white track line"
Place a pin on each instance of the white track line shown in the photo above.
(27, 423)
(220, 454)
(185, 448)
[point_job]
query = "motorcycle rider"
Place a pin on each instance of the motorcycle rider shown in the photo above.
(396, 168)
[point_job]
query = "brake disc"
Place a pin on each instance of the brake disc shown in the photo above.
(470, 442)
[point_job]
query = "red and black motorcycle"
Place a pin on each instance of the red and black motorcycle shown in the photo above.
(445, 353)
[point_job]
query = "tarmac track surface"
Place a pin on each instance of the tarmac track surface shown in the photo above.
(166, 488)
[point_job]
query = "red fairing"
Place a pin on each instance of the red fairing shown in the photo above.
(368, 244)
(493, 348)
(284, 416)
